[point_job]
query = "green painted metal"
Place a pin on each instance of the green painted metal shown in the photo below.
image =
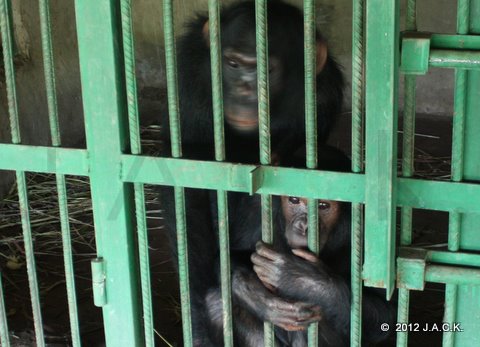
(455, 59)
(439, 196)
(99, 282)
(459, 276)
(468, 297)
(4, 334)
(135, 146)
(358, 102)
(7, 44)
(264, 129)
(382, 56)
(49, 71)
(470, 42)
(409, 112)
(179, 192)
(63, 161)
(415, 54)
(103, 94)
(219, 134)
(310, 54)
(411, 269)
(454, 258)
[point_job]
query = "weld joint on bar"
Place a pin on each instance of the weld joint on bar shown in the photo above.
(99, 281)
(257, 177)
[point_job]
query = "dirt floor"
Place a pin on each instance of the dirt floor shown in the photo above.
(430, 229)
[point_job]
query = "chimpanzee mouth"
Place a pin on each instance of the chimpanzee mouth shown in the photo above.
(242, 123)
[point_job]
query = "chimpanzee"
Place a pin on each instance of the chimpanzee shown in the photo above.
(239, 66)
(290, 286)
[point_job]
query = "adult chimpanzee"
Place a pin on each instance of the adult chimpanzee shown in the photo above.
(239, 65)
(291, 287)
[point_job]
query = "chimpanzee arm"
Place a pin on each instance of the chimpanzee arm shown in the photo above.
(303, 277)
(248, 291)
(247, 329)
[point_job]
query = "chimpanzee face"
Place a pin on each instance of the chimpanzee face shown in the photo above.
(295, 212)
(240, 87)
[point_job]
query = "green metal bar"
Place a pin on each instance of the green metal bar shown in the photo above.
(264, 129)
(30, 258)
(4, 335)
(63, 161)
(470, 42)
(49, 70)
(262, 73)
(452, 275)
(468, 299)
(454, 258)
(179, 192)
(382, 57)
(436, 195)
(237, 178)
(222, 202)
(172, 86)
(358, 102)
(310, 84)
(451, 290)
(135, 146)
(310, 54)
(454, 59)
(216, 67)
(409, 112)
(7, 44)
(107, 137)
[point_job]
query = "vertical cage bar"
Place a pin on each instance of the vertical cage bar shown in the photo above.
(7, 44)
(30, 258)
(466, 299)
(135, 147)
(451, 290)
(179, 192)
(99, 31)
(357, 167)
(49, 72)
(6, 27)
(409, 111)
(4, 335)
(264, 130)
(222, 202)
(310, 55)
(382, 18)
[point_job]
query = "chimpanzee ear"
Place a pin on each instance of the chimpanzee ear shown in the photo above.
(206, 33)
(322, 53)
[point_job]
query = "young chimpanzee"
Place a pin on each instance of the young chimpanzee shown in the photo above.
(240, 94)
(290, 286)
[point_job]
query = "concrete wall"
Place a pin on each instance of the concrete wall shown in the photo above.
(334, 19)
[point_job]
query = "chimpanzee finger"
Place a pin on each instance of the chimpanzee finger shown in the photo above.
(265, 278)
(267, 284)
(265, 251)
(261, 261)
(307, 255)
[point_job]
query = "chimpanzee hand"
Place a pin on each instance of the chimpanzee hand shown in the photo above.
(250, 293)
(295, 276)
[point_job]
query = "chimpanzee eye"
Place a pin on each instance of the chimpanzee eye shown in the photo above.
(232, 63)
(294, 200)
(322, 205)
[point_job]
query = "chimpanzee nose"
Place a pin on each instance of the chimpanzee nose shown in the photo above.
(301, 225)
(245, 89)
